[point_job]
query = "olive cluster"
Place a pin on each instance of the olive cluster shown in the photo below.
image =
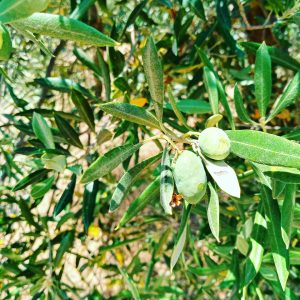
(189, 173)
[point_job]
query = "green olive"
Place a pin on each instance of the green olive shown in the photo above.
(5, 43)
(214, 143)
(190, 177)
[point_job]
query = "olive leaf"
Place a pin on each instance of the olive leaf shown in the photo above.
(89, 202)
(64, 28)
(166, 182)
(127, 180)
(150, 193)
(40, 189)
(68, 132)
(279, 252)
(12, 10)
(67, 196)
(5, 52)
(213, 212)
(130, 283)
(176, 109)
(42, 130)
(32, 178)
(287, 213)
(263, 79)
(255, 257)
(290, 95)
(132, 113)
(65, 245)
(84, 109)
(264, 148)
(278, 56)
(239, 106)
(105, 74)
(154, 75)
(109, 161)
(181, 236)
(224, 176)
(210, 83)
(64, 85)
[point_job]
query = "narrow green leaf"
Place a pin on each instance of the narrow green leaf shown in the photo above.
(207, 271)
(89, 202)
(278, 56)
(190, 106)
(154, 75)
(264, 148)
(65, 28)
(224, 102)
(287, 213)
(42, 130)
(166, 182)
(5, 44)
(109, 161)
(132, 113)
(254, 259)
(283, 174)
(134, 14)
(67, 196)
(150, 193)
(84, 109)
(130, 283)
(40, 189)
(289, 96)
(32, 178)
(12, 10)
(239, 106)
(81, 9)
(65, 245)
(127, 180)
(279, 251)
(210, 83)
(105, 75)
(87, 61)
(68, 132)
(263, 79)
(48, 113)
(64, 85)
(181, 236)
(213, 212)
(176, 109)
(118, 244)
(26, 213)
(197, 7)
(278, 188)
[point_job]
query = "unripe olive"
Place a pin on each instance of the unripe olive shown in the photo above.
(190, 177)
(214, 143)
(5, 43)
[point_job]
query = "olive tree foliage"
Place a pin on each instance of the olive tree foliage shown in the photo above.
(149, 149)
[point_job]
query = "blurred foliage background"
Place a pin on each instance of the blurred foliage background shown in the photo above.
(77, 253)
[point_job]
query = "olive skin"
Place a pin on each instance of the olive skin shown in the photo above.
(214, 143)
(5, 43)
(190, 177)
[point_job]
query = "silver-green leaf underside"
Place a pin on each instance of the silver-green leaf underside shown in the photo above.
(213, 212)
